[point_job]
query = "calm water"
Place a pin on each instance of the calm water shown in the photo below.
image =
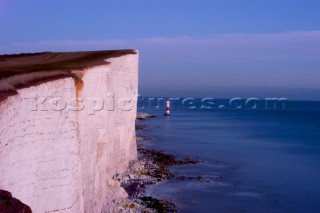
(269, 161)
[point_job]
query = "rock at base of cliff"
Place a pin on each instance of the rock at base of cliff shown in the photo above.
(8, 204)
(143, 116)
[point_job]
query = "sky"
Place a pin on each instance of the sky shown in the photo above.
(188, 48)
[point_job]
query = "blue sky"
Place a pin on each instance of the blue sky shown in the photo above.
(218, 48)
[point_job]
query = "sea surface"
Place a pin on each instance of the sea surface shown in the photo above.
(254, 160)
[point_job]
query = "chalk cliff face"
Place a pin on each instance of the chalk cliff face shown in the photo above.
(62, 141)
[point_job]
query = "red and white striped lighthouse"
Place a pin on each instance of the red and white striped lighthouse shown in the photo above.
(167, 113)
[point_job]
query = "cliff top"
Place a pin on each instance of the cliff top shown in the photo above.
(28, 69)
(11, 65)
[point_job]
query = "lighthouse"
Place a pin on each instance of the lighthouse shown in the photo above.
(167, 113)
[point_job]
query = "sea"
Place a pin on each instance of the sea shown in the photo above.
(255, 156)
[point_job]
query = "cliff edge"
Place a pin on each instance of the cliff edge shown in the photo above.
(67, 126)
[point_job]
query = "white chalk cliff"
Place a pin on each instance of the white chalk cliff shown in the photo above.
(62, 141)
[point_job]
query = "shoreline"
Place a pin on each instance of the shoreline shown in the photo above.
(151, 167)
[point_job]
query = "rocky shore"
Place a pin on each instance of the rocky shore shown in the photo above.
(151, 167)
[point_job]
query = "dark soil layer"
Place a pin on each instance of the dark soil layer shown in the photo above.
(11, 65)
(64, 62)
(8, 204)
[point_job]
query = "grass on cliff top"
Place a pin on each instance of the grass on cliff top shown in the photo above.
(11, 65)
